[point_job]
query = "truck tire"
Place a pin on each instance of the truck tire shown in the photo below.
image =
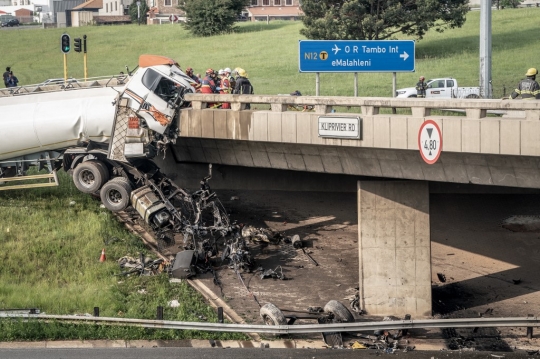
(89, 176)
(104, 171)
(473, 96)
(115, 194)
(271, 315)
(412, 96)
(340, 312)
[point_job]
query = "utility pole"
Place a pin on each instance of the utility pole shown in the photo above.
(139, 13)
(485, 49)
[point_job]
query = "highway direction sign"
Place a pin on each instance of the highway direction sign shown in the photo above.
(356, 56)
(430, 141)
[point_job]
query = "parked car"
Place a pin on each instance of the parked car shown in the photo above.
(10, 23)
(446, 87)
(49, 82)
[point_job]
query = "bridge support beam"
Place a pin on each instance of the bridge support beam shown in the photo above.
(394, 248)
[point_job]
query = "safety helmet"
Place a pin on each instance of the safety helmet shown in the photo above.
(242, 73)
(531, 72)
(227, 69)
(422, 78)
(210, 71)
(221, 72)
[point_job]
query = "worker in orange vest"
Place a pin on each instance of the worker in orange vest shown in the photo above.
(225, 88)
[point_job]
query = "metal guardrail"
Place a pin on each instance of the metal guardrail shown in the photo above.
(528, 322)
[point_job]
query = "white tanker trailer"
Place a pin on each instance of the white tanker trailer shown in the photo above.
(105, 134)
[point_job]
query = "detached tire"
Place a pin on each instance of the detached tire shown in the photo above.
(89, 176)
(340, 312)
(115, 194)
(271, 315)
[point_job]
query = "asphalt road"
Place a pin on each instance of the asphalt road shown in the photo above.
(22, 27)
(194, 353)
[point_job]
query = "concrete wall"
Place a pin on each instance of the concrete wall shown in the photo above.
(394, 248)
(487, 151)
(491, 135)
(463, 168)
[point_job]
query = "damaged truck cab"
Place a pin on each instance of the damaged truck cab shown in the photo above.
(105, 134)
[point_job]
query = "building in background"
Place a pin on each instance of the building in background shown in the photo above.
(266, 10)
(162, 10)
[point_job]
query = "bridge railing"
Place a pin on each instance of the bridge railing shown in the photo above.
(474, 108)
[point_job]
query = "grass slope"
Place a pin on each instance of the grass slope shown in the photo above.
(269, 52)
(51, 240)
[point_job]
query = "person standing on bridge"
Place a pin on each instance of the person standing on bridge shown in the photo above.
(6, 76)
(12, 80)
(243, 85)
(528, 88)
(225, 88)
(421, 88)
(208, 85)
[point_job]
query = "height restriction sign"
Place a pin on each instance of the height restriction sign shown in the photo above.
(430, 141)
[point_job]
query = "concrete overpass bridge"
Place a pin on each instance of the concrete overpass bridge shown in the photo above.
(393, 215)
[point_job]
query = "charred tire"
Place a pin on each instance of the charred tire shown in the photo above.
(473, 96)
(271, 315)
(89, 176)
(341, 313)
(115, 194)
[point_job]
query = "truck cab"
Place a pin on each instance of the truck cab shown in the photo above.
(441, 88)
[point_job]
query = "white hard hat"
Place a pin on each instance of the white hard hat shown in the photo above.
(220, 72)
(227, 69)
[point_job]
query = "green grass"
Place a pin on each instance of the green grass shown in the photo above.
(269, 53)
(51, 241)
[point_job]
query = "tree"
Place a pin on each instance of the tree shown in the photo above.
(379, 19)
(509, 3)
(212, 17)
(143, 11)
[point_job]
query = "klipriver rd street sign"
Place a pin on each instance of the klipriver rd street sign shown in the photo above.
(340, 127)
(356, 56)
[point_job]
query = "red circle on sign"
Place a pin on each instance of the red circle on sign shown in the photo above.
(439, 149)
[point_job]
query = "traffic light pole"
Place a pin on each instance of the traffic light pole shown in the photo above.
(85, 59)
(65, 68)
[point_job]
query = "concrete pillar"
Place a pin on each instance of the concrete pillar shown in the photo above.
(394, 248)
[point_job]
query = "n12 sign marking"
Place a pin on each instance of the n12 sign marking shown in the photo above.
(430, 141)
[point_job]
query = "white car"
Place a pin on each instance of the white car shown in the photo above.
(70, 81)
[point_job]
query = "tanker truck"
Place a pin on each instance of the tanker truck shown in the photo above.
(105, 134)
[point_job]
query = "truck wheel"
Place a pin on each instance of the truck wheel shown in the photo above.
(115, 194)
(412, 96)
(89, 176)
(341, 313)
(104, 170)
(271, 315)
(473, 96)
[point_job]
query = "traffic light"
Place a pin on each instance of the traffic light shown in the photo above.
(77, 46)
(65, 43)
